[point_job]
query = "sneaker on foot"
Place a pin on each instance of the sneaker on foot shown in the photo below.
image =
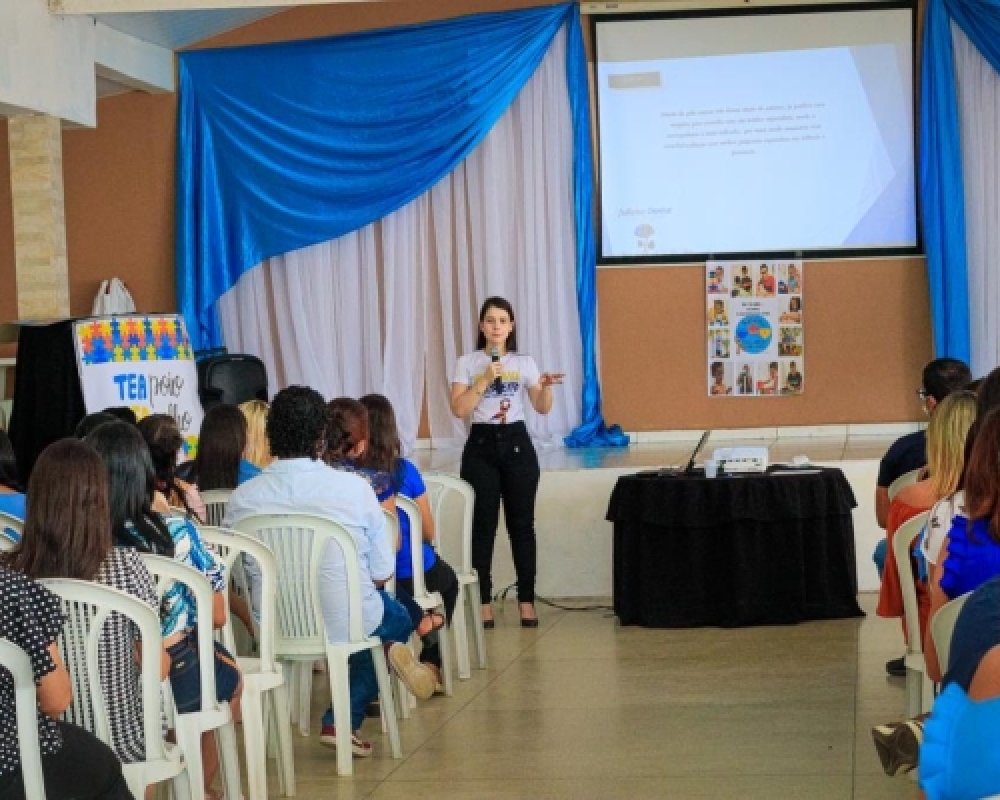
(896, 667)
(898, 745)
(414, 675)
(359, 747)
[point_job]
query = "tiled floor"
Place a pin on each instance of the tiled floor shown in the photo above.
(582, 708)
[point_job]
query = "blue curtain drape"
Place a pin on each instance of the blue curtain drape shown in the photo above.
(941, 184)
(287, 145)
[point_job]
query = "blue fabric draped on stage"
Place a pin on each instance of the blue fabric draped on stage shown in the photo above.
(288, 145)
(941, 183)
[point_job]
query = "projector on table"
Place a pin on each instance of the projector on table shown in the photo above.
(736, 460)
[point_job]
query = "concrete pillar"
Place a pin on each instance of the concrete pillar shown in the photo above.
(36, 182)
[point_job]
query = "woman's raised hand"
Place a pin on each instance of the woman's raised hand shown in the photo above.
(550, 378)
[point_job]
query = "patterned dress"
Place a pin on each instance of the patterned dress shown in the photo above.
(30, 617)
(116, 654)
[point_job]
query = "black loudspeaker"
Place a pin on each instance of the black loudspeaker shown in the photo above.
(231, 379)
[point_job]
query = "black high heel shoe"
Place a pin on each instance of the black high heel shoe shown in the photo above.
(530, 623)
(488, 624)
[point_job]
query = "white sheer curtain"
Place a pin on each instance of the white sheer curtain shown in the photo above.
(389, 308)
(979, 113)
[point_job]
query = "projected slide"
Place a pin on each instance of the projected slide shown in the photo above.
(789, 149)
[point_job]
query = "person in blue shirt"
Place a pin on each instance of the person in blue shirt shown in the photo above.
(384, 453)
(11, 496)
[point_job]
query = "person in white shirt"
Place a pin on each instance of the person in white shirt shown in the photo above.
(499, 460)
(299, 482)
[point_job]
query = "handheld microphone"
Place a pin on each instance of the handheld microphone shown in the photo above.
(494, 358)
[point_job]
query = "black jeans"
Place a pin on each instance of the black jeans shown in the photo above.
(439, 577)
(83, 768)
(500, 463)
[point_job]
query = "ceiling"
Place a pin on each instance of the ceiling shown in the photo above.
(178, 29)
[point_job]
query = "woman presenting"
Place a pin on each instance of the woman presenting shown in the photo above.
(499, 460)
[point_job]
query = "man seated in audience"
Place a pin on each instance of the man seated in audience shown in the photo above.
(300, 482)
(940, 378)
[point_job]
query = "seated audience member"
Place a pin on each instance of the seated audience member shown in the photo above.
(958, 756)
(11, 498)
(346, 443)
(384, 453)
(67, 534)
(75, 763)
(164, 441)
(258, 448)
(939, 523)
(946, 436)
(221, 461)
(300, 482)
(134, 523)
(92, 421)
(940, 378)
(969, 558)
(123, 414)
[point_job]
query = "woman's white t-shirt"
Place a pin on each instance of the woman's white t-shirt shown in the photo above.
(507, 405)
(939, 524)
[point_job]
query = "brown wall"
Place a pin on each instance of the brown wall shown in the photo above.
(120, 201)
(867, 336)
(867, 331)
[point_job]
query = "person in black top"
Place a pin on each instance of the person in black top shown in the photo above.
(941, 377)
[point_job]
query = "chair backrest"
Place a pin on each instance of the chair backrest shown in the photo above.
(8, 522)
(412, 510)
(299, 543)
(904, 480)
(88, 606)
(392, 531)
(166, 572)
(943, 626)
(216, 501)
(902, 546)
(16, 661)
(231, 546)
(452, 531)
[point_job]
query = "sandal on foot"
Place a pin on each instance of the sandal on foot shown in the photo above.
(432, 621)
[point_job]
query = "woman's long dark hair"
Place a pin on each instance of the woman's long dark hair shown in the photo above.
(503, 305)
(131, 481)
(8, 464)
(384, 448)
(347, 425)
(982, 478)
(67, 530)
(220, 448)
(164, 441)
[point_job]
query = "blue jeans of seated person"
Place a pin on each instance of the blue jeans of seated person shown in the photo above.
(879, 556)
(396, 626)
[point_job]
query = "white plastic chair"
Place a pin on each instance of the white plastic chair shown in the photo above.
(265, 696)
(943, 626)
(299, 542)
(453, 539)
(16, 661)
(9, 522)
(904, 480)
(428, 601)
(216, 502)
(213, 716)
(87, 607)
(919, 688)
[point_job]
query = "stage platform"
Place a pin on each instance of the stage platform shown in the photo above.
(574, 540)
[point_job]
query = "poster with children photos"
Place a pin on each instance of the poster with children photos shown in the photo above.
(754, 327)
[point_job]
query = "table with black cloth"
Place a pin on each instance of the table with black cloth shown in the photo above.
(761, 549)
